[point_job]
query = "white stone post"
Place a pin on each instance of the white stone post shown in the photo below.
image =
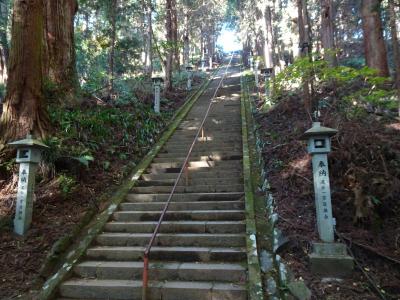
(323, 203)
(157, 95)
(256, 73)
(25, 196)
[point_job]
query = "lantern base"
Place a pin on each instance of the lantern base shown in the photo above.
(331, 260)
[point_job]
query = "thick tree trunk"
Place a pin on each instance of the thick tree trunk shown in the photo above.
(396, 47)
(111, 55)
(59, 48)
(170, 47)
(328, 31)
(374, 44)
(24, 107)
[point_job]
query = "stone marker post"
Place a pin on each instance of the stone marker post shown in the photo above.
(267, 73)
(28, 156)
(256, 62)
(328, 258)
(251, 59)
(157, 81)
(203, 65)
(189, 70)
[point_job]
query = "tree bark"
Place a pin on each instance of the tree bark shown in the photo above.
(328, 31)
(396, 47)
(374, 44)
(186, 41)
(174, 24)
(24, 107)
(170, 46)
(4, 49)
(305, 50)
(149, 38)
(268, 38)
(59, 49)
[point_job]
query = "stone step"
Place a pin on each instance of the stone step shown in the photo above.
(183, 215)
(205, 153)
(214, 145)
(123, 270)
(196, 205)
(169, 290)
(172, 239)
(189, 189)
(192, 180)
(228, 164)
(178, 226)
(185, 197)
(182, 254)
(180, 147)
(181, 159)
(237, 138)
(199, 174)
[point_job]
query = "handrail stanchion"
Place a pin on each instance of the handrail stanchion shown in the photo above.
(146, 255)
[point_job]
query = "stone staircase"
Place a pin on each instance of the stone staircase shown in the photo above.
(200, 252)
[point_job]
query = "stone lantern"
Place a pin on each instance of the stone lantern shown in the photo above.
(157, 82)
(189, 70)
(328, 258)
(267, 73)
(28, 156)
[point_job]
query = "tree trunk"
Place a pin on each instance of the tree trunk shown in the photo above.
(374, 44)
(186, 41)
(305, 49)
(170, 48)
(149, 38)
(4, 50)
(328, 31)
(111, 57)
(269, 38)
(25, 107)
(174, 25)
(396, 47)
(59, 49)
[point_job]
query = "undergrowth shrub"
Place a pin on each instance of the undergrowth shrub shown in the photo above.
(371, 88)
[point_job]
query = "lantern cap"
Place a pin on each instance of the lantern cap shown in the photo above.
(28, 141)
(318, 130)
(156, 78)
(267, 71)
(189, 67)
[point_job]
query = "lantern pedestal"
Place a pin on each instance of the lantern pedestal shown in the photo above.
(331, 260)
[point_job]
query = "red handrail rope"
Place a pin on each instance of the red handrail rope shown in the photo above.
(156, 230)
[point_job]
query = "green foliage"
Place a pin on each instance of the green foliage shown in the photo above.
(83, 133)
(2, 91)
(67, 184)
(372, 90)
